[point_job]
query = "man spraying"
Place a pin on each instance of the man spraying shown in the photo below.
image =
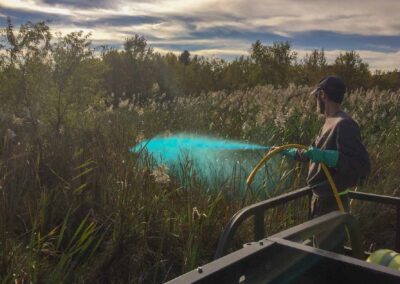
(338, 145)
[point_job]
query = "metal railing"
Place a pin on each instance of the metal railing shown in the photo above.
(257, 211)
(382, 199)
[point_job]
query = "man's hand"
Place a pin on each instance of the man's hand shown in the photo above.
(290, 152)
(328, 157)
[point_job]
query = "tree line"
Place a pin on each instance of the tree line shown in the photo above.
(69, 71)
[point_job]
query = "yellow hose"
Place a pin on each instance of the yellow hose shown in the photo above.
(276, 150)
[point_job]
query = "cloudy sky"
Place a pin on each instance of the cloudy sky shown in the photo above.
(226, 28)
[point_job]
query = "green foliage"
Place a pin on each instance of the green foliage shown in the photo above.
(76, 76)
(386, 80)
(184, 57)
(314, 67)
(33, 40)
(274, 62)
(352, 69)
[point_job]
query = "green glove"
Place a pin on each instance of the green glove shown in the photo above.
(291, 152)
(328, 157)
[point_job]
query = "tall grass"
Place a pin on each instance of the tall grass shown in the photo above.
(77, 206)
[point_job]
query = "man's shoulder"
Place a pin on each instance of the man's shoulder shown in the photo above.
(346, 125)
(344, 119)
(343, 115)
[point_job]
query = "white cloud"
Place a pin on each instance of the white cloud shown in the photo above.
(165, 30)
(351, 16)
(103, 35)
(29, 5)
(381, 60)
(285, 16)
(164, 7)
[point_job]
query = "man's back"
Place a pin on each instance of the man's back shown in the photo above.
(340, 132)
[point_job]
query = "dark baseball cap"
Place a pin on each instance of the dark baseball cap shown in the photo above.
(333, 86)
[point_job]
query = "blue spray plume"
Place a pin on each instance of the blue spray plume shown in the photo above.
(215, 161)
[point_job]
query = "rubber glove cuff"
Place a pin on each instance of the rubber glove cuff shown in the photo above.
(291, 152)
(328, 157)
